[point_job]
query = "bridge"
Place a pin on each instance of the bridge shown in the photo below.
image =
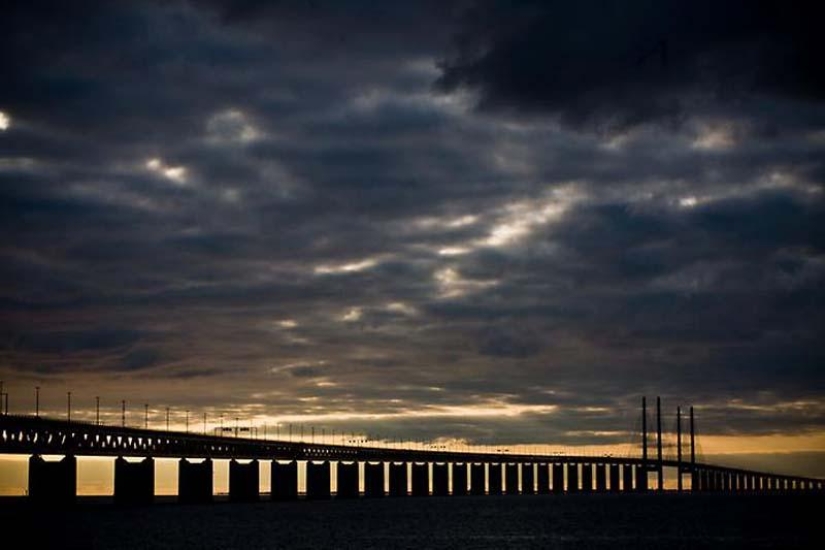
(363, 470)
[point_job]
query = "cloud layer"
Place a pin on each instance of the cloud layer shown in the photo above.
(479, 222)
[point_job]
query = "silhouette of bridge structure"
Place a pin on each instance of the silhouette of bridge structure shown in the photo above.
(368, 471)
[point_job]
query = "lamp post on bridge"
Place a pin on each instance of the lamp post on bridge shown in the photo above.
(644, 433)
(692, 443)
(123, 413)
(659, 468)
(167, 419)
(97, 410)
(187, 420)
(146, 416)
(37, 401)
(69, 406)
(679, 449)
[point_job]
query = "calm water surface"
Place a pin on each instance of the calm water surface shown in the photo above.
(569, 521)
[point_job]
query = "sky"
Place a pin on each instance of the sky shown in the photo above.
(483, 222)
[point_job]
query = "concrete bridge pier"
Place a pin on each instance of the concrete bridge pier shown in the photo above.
(195, 481)
(244, 481)
(728, 482)
(573, 478)
(373, 479)
(317, 482)
(614, 478)
(711, 482)
(347, 480)
(558, 478)
(587, 477)
(543, 478)
(528, 485)
(283, 481)
(460, 479)
(53, 482)
(441, 479)
(494, 479)
(627, 478)
(641, 478)
(477, 486)
(398, 479)
(420, 479)
(511, 478)
(134, 481)
(601, 478)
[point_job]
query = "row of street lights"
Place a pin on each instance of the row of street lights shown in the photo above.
(352, 440)
(4, 398)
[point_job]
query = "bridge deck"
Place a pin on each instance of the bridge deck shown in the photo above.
(31, 435)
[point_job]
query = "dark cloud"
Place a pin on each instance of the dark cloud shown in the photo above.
(618, 64)
(509, 344)
(141, 359)
(56, 342)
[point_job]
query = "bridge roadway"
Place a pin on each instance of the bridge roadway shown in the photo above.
(41, 436)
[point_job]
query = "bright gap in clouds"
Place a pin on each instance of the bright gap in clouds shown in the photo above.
(5, 121)
(352, 267)
(176, 174)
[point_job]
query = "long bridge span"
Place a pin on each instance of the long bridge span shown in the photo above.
(370, 471)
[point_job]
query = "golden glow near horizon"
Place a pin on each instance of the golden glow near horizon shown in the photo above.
(773, 443)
